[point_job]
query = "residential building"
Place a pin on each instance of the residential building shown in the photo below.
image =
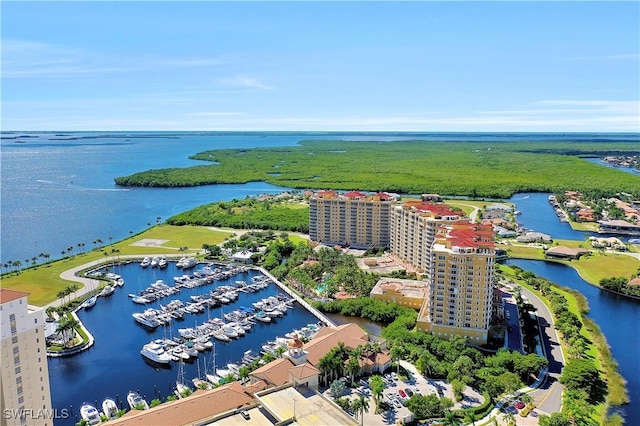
(353, 219)
(409, 293)
(461, 288)
(24, 380)
(413, 228)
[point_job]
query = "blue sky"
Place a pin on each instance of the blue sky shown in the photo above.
(415, 66)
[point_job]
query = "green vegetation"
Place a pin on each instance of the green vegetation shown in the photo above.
(487, 169)
(249, 213)
(594, 268)
(587, 349)
(620, 285)
(43, 282)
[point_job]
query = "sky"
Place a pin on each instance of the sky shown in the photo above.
(321, 66)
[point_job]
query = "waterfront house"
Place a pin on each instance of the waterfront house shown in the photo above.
(409, 293)
(561, 252)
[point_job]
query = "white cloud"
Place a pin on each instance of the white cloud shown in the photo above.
(244, 81)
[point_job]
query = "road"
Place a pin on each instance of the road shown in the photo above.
(548, 396)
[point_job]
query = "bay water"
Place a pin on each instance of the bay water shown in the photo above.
(57, 190)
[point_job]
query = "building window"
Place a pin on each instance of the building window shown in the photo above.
(20, 399)
(16, 360)
(14, 339)
(15, 349)
(18, 369)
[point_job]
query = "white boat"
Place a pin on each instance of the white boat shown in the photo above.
(119, 282)
(90, 302)
(107, 291)
(141, 300)
(145, 262)
(109, 408)
(156, 353)
(181, 388)
(187, 262)
(136, 402)
(163, 262)
(154, 262)
(262, 317)
(90, 414)
(146, 319)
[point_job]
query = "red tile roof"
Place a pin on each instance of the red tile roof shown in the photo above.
(7, 295)
(355, 194)
(437, 210)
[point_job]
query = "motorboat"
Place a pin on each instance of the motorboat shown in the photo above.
(141, 300)
(107, 291)
(154, 262)
(90, 302)
(163, 262)
(147, 319)
(118, 282)
(155, 352)
(145, 262)
(136, 402)
(90, 414)
(109, 408)
(262, 317)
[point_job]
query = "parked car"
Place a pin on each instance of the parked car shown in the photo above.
(397, 403)
(440, 393)
(418, 391)
(519, 405)
(245, 414)
(409, 392)
(363, 382)
(402, 393)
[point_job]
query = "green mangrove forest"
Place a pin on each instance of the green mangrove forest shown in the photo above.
(476, 169)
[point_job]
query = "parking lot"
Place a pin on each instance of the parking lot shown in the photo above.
(398, 391)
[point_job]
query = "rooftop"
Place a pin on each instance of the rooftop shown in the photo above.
(200, 405)
(8, 295)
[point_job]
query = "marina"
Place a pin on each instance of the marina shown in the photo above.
(130, 357)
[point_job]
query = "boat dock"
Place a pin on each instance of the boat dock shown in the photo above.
(324, 319)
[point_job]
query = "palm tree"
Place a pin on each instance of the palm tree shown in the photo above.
(353, 367)
(34, 260)
(377, 388)
(243, 373)
(509, 418)
(361, 404)
(17, 264)
(450, 419)
(469, 418)
(279, 351)
(324, 365)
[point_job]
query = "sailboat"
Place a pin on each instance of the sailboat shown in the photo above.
(198, 382)
(181, 388)
(212, 376)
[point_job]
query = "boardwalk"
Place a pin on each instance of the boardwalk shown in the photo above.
(291, 293)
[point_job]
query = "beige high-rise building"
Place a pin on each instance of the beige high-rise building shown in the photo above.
(413, 228)
(353, 219)
(24, 383)
(462, 268)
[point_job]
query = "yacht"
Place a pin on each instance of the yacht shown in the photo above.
(136, 402)
(109, 408)
(145, 262)
(163, 262)
(147, 319)
(154, 262)
(107, 291)
(156, 353)
(90, 414)
(90, 302)
(119, 282)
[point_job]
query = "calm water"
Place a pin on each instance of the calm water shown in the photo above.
(57, 193)
(57, 189)
(114, 366)
(617, 316)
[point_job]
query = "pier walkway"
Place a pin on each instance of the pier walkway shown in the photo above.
(291, 293)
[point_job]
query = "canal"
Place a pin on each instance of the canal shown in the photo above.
(618, 317)
(114, 366)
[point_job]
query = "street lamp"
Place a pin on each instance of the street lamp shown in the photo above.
(294, 409)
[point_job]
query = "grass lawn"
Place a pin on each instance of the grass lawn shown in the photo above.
(591, 268)
(44, 282)
(584, 226)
